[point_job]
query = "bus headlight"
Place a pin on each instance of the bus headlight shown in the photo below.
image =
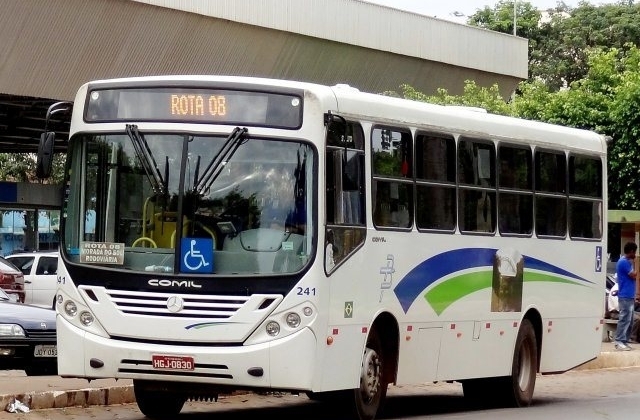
(273, 328)
(293, 320)
(86, 318)
(70, 308)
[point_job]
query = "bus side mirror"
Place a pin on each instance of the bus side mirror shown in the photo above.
(45, 154)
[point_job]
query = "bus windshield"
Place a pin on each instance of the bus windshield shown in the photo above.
(182, 203)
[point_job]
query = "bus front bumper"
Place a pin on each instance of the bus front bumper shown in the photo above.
(285, 363)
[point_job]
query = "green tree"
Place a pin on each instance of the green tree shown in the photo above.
(473, 96)
(500, 18)
(561, 38)
(560, 56)
(624, 153)
(17, 167)
(605, 100)
(21, 167)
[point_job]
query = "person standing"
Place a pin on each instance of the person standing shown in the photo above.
(626, 274)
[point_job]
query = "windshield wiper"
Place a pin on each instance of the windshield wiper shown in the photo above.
(213, 170)
(146, 159)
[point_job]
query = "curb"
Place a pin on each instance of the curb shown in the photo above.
(39, 400)
(613, 359)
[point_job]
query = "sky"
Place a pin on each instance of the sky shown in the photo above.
(459, 10)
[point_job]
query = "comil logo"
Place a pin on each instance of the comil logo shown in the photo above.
(174, 283)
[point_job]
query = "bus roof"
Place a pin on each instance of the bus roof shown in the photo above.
(378, 108)
(466, 121)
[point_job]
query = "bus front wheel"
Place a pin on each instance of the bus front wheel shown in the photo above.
(367, 400)
(156, 404)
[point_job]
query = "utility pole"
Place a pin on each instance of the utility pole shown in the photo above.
(515, 13)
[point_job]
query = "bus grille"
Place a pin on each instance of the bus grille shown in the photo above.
(137, 367)
(194, 306)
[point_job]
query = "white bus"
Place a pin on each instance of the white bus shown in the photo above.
(223, 233)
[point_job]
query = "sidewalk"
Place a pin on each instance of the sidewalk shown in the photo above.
(42, 392)
(612, 358)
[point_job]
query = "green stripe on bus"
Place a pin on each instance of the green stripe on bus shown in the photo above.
(446, 293)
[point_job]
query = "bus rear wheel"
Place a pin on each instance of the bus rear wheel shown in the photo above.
(157, 404)
(515, 390)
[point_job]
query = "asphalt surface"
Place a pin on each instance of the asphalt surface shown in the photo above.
(43, 392)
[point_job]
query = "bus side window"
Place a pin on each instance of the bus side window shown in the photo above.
(392, 183)
(345, 193)
(550, 193)
(477, 179)
(585, 197)
(515, 189)
(435, 182)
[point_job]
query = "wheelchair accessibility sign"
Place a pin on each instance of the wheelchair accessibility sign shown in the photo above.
(196, 255)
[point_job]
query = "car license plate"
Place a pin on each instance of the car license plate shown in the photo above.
(45, 350)
(160, 361)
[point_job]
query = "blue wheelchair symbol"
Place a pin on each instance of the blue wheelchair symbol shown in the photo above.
(599, 259)
(197, 255)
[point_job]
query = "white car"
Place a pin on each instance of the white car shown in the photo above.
(40, 279)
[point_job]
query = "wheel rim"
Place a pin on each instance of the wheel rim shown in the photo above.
(371, 375)
(525, 366)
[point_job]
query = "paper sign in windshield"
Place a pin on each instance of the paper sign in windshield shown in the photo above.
(102, 253)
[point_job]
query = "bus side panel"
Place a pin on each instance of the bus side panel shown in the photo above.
(425, 348)
(585, 345)
(470, 352)
(343, 358)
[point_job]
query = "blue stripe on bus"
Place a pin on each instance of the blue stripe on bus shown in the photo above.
(442, 265)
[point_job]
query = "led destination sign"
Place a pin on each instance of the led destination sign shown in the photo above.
(199, 105)
(194, 106)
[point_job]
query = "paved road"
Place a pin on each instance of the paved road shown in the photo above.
(55, 392)
(585, 394)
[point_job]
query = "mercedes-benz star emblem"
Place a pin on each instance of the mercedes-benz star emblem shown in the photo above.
(175, 304)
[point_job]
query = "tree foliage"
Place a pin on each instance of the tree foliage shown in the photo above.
(21, 167)
(605, 100)
(473, 96)
(500, 18)
(560, 39)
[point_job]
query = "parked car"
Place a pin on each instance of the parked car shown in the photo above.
(27, 338)
(40, 279)
(12, 280)
(611, 281)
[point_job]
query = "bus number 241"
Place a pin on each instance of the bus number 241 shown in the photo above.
(306, 291)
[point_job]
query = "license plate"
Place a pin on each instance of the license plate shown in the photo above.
(160, 361)
(45, 350)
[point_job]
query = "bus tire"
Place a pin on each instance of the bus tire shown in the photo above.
(156, 404)
(515, 390)
(367, 400)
